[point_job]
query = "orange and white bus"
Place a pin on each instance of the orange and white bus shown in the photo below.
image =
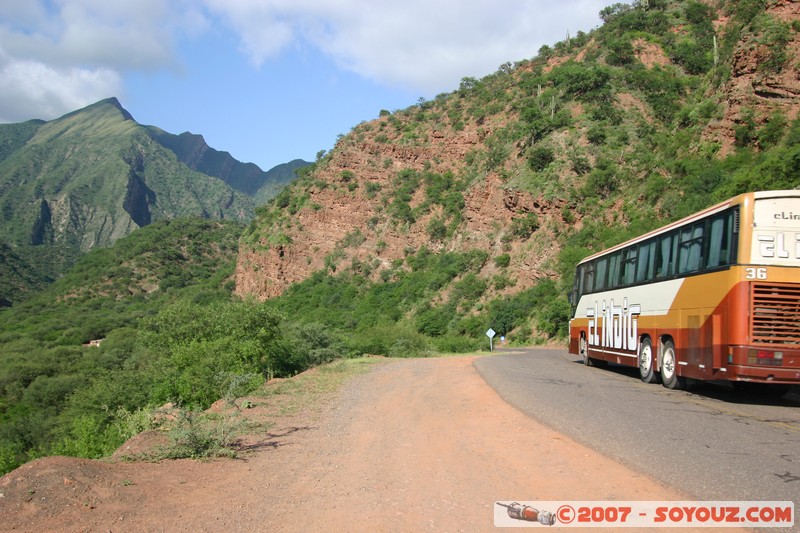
(714, 296)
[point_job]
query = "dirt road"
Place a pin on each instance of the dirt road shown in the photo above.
(412, 445)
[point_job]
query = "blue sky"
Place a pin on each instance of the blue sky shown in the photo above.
(266, 80)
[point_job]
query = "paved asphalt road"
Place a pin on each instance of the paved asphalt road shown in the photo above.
(711, 443)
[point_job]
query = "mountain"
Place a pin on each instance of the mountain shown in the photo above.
(666, 108)
(94, 175)
(247, 178)
(18, 278)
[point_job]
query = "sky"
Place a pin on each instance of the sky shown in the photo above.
(269, 81)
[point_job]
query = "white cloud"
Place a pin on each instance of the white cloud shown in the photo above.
(32, 89)
(418, 44)
(59, 55)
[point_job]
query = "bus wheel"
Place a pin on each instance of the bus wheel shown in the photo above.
(582, 349)
(669, 368)
(646, 362)
(589, 361)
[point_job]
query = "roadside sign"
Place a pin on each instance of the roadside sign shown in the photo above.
(490, 333)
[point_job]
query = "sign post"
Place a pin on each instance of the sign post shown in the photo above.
(491, 335)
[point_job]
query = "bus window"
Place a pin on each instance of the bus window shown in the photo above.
(613, 270)
(588, 278)
(577, 287)
(691, 248)
(646, 262)
(719, 241)
(665, 257)
(600, 274)
(629, 265)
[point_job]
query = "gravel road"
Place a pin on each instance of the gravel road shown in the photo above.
(411, 445)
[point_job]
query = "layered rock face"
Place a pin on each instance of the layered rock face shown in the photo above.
(757, 89)
(346, 218)
(351, 199)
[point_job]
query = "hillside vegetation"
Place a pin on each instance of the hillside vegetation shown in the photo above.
(668, 107)
(418, 232)
(158, 305)
(94, 175)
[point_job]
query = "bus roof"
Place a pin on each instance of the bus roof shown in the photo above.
(736, 200)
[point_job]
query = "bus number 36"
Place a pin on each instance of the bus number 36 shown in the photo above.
(756, 273)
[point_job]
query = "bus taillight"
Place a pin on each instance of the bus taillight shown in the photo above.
(765, 357)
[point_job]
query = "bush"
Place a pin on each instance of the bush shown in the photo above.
(88, 436)
(200, 346)
(620, 52)
(553, 317)
(602, 180)
(596, 134)
(502, 260)
(694, 57)
(773, 131)
(523, 227)
(437, 229)
(584, 82)
(745, 131)
(469, 288)
(540, 157)
(198, 435)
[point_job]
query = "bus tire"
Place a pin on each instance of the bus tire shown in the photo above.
(669, 368)
(583, 350)
(647, 362)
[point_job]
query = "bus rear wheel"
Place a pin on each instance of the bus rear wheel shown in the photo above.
(647, 362)
(583, 349)
(669, 368)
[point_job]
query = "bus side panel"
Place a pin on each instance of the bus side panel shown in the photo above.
(698, 315)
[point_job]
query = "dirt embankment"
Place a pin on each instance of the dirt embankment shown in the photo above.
(412, 445)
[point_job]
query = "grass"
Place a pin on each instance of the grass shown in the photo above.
(305, 391)
(223, 432)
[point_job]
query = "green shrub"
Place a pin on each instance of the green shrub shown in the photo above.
(434, 321)
(198, 435)
(596, 134)
(773, 130)
(409, 344)
(775, 35)
(695, 58)
(456, 344)
(523, 227)
(437, 229)
(540, 157)
(469, 288)
(582, 81)
(88, 436)
(745, 131)
(620, 52)
(502, 260)
(201, 346)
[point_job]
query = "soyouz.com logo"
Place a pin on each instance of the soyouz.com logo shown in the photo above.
(649, 514)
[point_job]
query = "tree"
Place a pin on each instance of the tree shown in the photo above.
(614, 10)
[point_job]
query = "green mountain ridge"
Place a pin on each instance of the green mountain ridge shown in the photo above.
(94, 175)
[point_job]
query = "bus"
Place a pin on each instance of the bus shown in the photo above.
(714, 296)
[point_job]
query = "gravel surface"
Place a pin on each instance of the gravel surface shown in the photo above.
(411, 445)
